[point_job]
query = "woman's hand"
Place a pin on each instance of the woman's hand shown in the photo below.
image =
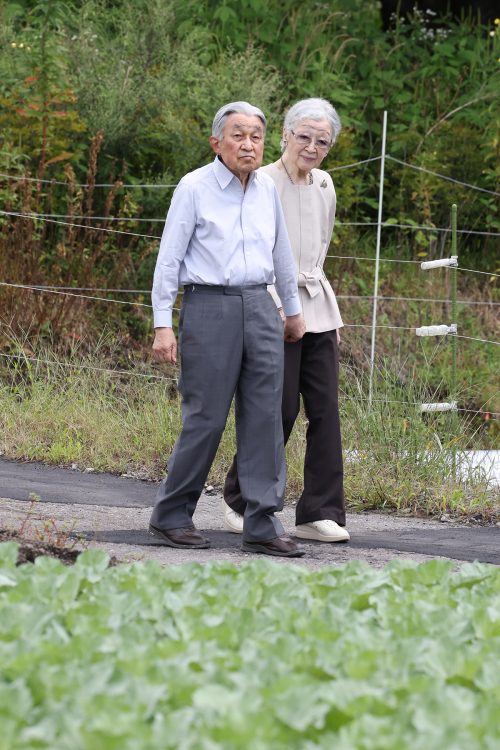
(295, 328)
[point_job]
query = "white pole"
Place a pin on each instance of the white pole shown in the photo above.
(377, 256)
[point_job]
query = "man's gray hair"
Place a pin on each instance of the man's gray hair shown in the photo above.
(243, 108)
(313, 109)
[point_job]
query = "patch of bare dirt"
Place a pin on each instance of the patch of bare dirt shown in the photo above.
(30, 549)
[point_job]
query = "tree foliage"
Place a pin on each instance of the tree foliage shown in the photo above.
(149, 76)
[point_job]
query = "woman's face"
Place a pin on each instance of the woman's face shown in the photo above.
(308, 142)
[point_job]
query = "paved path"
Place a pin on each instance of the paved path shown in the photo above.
(112, 512)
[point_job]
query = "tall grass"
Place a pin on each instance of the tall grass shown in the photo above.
(396, 458)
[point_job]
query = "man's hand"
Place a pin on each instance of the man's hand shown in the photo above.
(165, 345)
(295, 328)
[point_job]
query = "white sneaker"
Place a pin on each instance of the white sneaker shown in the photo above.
(232, 521)
(322, 531)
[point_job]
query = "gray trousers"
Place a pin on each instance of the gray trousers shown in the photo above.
(231, 344)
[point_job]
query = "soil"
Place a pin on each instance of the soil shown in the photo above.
(30, 549)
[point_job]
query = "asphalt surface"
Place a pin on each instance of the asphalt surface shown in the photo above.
(111, 496)
(18, 480)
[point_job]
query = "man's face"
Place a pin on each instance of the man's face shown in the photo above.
(241, 145)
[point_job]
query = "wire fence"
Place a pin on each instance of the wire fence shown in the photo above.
(80, 226)
(112, 290)
(153, 186)
(16, 178)
(61, 219)
(157, 237)
(151, 376)
(51, 290)
(441, 176)
(141, 219)
(71, 294)
(82, 366)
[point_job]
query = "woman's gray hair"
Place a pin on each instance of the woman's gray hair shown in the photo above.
(312, 109)
(243, 108)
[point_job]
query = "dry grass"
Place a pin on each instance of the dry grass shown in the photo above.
(128, 424)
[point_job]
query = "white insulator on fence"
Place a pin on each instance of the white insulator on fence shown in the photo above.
(452, 406)
(442, 262)
(436, 330)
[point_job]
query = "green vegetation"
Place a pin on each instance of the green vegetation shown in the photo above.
(265, 655)
(121, 93)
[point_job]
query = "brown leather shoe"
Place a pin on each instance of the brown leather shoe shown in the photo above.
(280, 546)
(187, 537)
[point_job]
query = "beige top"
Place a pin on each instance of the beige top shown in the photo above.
(310, 215)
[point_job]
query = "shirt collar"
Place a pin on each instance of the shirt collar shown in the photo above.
(224, 175)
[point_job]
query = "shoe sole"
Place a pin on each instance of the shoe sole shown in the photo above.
(260, 548)
(315, 536)
(232, 529)
(169, 543)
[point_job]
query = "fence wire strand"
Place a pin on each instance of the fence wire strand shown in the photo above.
(442, 300)
(70, 294)
(427, 228)
(154, 186)
(441, 176)
(158, 237)
(81, 226)
(385, 260)
(472, 270)
(130, 373)
(15, 178)
(36, 215)
(370, 326)
(473, 338)
(143, 220)
(417, 299)
(54, 363)
(354, 164)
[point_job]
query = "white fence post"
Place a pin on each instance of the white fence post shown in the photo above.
(377, 256)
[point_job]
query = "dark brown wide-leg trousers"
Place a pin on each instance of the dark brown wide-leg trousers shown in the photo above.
(311, 370)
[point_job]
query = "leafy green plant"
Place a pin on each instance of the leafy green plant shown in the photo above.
(262, 655)
(37, 104)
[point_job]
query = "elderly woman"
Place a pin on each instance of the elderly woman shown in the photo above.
(308, 198)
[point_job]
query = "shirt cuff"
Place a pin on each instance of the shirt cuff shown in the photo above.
(162, 318)
(292, 306)
(274, 294)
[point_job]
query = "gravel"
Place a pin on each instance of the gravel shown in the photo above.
(121, 531)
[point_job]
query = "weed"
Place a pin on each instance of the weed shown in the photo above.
(46, 531)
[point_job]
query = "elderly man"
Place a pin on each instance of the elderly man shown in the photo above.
(224, 241)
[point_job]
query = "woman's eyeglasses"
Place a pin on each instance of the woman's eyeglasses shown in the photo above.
(304, 139)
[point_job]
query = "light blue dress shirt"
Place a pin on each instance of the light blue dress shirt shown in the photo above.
(216, 233)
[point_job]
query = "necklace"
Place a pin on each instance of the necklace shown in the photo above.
(309, 175)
